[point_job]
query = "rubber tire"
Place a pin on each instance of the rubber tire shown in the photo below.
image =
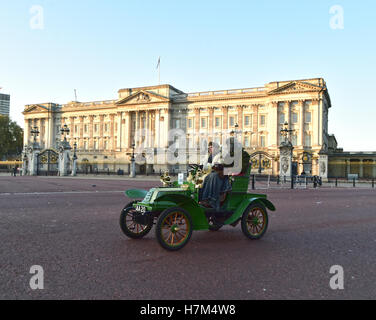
(161, 217)
(244, 221)
(124, 227)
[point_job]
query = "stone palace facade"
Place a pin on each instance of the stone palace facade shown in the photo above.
(104, 131)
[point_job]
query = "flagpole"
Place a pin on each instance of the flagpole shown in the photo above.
(159, 72)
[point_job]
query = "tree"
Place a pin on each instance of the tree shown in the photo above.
(11, 139)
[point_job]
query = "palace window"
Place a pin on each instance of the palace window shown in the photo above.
(294, 117)
(106, 127)
(203, 122)
(282, 118)
(262, 141)
(190, 123)
(105, 144)
(95, 144)
(246, 142)
(217, 122)
(95, 128)
(247, 121)
(307, 117)
(232, 121)
(307, 140)
(177, 123)
(85, 145)
(75, 129)
(85, 128)
(262, 120)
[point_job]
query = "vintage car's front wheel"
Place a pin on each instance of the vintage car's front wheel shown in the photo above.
(174, 228)
(130, 226)
(254, 221)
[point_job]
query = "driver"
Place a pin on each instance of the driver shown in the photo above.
(215, 188)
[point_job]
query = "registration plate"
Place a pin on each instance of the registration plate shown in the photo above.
(141, 209)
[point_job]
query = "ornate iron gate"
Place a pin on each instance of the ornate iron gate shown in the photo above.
(48, 163)
(261, 162)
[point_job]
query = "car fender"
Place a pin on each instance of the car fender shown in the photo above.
(136, 193)
(187, 203)
(244, 205)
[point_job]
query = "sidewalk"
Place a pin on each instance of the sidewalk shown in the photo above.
(96, 177)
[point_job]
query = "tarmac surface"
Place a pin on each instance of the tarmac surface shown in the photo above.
(70, 227)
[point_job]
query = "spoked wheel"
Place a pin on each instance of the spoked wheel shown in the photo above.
(255, 221)
(174, 228)
(129, 225)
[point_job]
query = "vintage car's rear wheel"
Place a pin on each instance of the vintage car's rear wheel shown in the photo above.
(130, 227)
(174, 228)
(255, 221)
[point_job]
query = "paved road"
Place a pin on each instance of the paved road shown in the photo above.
(70, 227)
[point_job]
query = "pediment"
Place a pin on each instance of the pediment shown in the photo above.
(294, 87)
(142, 97)
(35, 108)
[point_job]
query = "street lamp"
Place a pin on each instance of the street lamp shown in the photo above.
(133, 165)
(34, 132)
(74, 150)
(285, 132)
(65, 131)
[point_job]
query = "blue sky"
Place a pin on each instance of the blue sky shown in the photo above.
(98, 47)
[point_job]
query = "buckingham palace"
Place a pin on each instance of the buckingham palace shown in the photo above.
(105, 131)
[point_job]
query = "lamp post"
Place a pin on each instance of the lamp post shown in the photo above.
(34, 132)
(133, 165)
(74, 167)
(64, 132)
(286, 155)
(285, 132)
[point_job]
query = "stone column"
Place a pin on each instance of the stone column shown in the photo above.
(101, 137)
(26, 132)
(197, 127)
(157, 128)
(137, 128)
(91, 133)
(146, 131)
(112, 133)
(300, 137)
(275, 135)
(211, 121)
(71, 128)
(81, 130)
(167, 126)
(255, 141)
(119, 131)
(152, 129)
(128, 129)
(225, 118)
(240, 116)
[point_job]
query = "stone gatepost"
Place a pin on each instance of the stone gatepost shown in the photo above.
(64, 158)
(323, 167)
(285, 159)
(32, 154)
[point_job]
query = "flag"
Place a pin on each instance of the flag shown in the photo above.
(159, 62)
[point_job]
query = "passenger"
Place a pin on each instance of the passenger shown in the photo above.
(212, 156)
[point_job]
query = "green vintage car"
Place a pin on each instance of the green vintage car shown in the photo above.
(176, 211)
